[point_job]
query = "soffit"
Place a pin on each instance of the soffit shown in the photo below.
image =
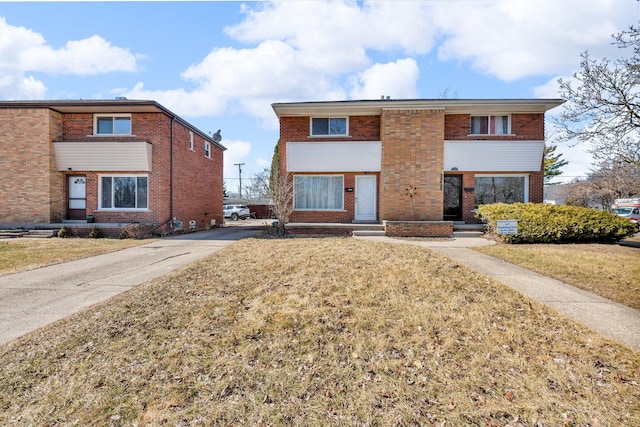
(450, 106)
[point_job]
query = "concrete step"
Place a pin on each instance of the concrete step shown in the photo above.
(40, 234)
(356, 233)
(462, 234)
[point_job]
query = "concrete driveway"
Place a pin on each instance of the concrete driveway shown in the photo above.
(32, 299)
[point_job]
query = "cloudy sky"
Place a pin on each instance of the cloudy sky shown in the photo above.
(220, 65)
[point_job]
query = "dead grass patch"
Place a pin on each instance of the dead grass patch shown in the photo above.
(27, 254)
(610, 271)
(319, 332)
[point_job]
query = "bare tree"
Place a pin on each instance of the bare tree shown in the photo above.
(282, 197)
(603, 102)
(281, 190)
(259, 186)
(609, 182)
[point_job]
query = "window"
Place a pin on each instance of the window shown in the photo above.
(123, 192)
(501, 189)
(207, 149)
(318, 192)
(329, 126)
(490, 125)
(190, 140)
(112, 124)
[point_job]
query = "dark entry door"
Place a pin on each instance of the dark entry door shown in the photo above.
(77, 199)
(452, 197)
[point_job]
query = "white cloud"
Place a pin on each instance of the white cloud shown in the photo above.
(23, 51)
(519, 38)
(395, 79)
(237, 152)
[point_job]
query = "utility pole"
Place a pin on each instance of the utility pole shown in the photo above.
(239, 165)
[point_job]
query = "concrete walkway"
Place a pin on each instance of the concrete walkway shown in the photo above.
(604, 316)
(32, 299)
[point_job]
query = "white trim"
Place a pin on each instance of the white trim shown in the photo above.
(374, 201)
(329, 135)
(504, 175)
(110, 175)
(95, 124)
(471, 116)
(342, 209)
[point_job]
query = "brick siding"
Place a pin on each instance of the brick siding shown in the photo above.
(34, 191)
(412, 157)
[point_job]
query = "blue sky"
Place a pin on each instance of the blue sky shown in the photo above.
(221, 64)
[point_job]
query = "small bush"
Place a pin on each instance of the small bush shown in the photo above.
(96, 233)
(539, 223)
(64, 232)
(137, 231)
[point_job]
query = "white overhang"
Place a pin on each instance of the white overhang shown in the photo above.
(103, 156)
(493, 156)
(334, 156)
(450, 106)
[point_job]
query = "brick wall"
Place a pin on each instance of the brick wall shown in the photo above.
(524, 127)
(26, 172)
(412, 157)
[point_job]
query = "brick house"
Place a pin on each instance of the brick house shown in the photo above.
(411, 160)
(111, 162)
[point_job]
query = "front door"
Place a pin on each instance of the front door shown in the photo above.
(77, 199)
(365, 198)
(452, 197)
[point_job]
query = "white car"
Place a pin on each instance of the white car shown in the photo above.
(236, 211)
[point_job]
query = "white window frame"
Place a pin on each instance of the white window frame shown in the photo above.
(507, 175)
(191, 143)
(113, 116)
(488, 116)
(207, 149)
(101, 176)
(340, 209)
(329, 134)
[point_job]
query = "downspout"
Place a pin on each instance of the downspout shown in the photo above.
(171, 217)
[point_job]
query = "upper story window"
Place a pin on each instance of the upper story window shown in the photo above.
(329, 126)
(490, 125)
(190, 140)
(207, 150)
(112, 124)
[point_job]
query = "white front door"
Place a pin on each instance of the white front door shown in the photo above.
(365, 198)
(77, 197)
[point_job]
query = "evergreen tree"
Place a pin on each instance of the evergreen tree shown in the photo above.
(552, 163)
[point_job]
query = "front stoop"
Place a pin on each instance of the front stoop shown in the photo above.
(462, 230)
(361, 233)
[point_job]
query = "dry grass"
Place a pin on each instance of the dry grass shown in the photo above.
(319, 332)
(26, 254)
(610, 271)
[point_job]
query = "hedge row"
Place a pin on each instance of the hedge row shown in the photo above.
(539, 223)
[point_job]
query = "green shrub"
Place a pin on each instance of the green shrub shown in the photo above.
(539, 223)
(64, 232)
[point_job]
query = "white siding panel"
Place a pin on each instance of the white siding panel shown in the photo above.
(334, 156)
(103, 156)
(493, 156)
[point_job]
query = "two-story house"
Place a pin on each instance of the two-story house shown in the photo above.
(411, 160)
(111, 162)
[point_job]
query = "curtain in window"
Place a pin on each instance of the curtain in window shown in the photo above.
(499, 125)
(499, 189)
(318, 192)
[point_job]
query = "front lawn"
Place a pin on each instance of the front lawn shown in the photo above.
(319, 332)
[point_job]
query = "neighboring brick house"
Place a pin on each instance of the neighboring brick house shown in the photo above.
(411, 160)
(107, 161)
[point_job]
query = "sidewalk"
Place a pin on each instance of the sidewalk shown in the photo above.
(604, 316)
(32, 299)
